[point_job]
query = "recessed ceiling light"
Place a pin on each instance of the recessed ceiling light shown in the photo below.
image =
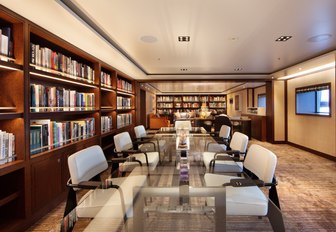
(148, 39)
(233, 38)
(318, 38)
(283, 38)
(184, 38)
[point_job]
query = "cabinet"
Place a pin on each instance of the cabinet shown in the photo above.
(169, 104)
(55, 100)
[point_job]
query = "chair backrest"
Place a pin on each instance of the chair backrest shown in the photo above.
(261, 162)
(86, 164)
(123, 142)
(239, 142)
(185, 124)
(140, 131)
(224, 131)
(222, 120)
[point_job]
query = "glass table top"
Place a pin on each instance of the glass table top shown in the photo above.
(174, 196)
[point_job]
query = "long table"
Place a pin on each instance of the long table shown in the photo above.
(174, 198)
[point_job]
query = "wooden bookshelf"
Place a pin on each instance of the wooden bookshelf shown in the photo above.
(169, 104)
(12, 82)
(34, 184)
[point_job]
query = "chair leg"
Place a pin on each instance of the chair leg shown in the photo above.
(273, 195)
(71, 202)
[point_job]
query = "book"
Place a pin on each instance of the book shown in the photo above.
(2, 153)
(47, 133)
(32, 53)
(39, 134)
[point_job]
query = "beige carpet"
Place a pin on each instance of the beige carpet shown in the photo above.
(307, 189)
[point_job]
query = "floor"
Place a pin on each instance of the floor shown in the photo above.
(307, 190)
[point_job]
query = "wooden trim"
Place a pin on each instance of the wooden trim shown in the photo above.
(269, 112)
(324, 155)
(286, 110)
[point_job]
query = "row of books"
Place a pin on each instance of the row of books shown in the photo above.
(191, 105)
(47, 60)
(164, 98)
(105, 79)
(217, 105)
(124, 120)
(46, 134)
(124, 85)
(6, 42)
(51, 98)
(218, 98)
(164, 105)
(191, 98)
(7, 147)
(106, 123)
(124, 102)
(165, 111)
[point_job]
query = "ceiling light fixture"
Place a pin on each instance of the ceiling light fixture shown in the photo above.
(184, 38)
(283, 38)
(309, 71)
(148, 39)
(318, 38)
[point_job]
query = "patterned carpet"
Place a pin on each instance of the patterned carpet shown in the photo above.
(307, 189)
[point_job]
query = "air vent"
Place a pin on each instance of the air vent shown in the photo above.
(184, 38)
(238, 69)
(184, 69)
(283, 38)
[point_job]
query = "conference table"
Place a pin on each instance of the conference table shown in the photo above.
(175, 196)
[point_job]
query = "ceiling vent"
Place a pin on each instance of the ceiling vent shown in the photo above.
(184, 38)
(283, 38)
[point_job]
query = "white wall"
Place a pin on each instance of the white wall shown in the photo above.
(314, 132)
(242, 101)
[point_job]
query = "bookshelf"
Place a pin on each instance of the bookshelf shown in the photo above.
(125, 102)
(55, 100)
(169, 104)
(12, 160)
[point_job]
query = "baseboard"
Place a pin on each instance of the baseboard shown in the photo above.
(324, 155)
(279, 142)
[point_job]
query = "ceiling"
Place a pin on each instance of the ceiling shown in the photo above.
(232, 40)
(226, 36)
(206, 87)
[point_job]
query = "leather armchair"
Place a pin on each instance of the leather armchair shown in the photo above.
(156, 122)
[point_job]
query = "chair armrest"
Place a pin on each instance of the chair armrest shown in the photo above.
(235, 153)
(151, 132)
(126, 159)
(92, 184)
(144, 142)
(274, 182)
(146, 137)
(245, 183)
(130, 152)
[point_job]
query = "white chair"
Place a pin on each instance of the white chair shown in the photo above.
(183, 124)
(247, 200)
(85, 167)
(223, 139)
(124, 146)
(141, 135)
(238, 146)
